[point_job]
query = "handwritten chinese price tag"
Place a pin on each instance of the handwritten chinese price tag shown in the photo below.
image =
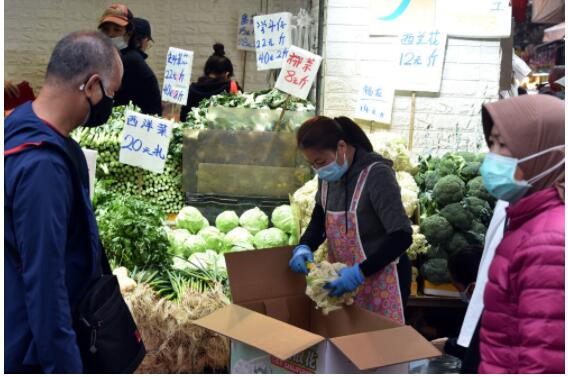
(375, 100)
(271, 39)
(245, 32)
(177, 75)
(145, 141)
(298, 72)
(420, 61)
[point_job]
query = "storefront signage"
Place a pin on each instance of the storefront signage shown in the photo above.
(245, 31)
(145, 141)
(298, 72)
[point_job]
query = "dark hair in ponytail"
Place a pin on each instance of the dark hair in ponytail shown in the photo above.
(218, 63)
(321, 132)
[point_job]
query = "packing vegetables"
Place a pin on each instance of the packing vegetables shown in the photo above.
(455, 208)
(319, 275)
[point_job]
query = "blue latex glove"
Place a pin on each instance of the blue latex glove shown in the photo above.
(350, 278)
(301, 255)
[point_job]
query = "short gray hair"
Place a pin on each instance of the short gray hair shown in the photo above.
(78, 56)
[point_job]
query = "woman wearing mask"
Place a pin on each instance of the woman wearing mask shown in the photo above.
(216, 79)
(116, 23)
(359, 210)
(139, 83)
(522, 327)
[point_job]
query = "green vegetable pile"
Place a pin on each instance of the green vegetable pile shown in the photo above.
(163, 189)
(455, 208)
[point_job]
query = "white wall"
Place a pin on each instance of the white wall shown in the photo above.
(33, 27)
(445, 122)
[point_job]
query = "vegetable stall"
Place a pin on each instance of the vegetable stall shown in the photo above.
(166, 234)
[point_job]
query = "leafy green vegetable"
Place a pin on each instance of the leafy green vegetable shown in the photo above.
(283, 219)
(227, 221)
(178, 242)
(450, 164)
(213, 237)
(271, 237)
(195, 244)
(470, 171)
(457, 242)
(239, 239)
(448, 190)
(132, 233)
(191, 219)
(436, 271)
(254, 220)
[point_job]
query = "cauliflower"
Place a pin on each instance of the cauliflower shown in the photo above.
(408, 192)
(457, 215)
(317, 278)
(448, 190)
(436, 229)
(419, 243)
(303, 202)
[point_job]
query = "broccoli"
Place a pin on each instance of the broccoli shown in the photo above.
(427, 205)
(470, 171)
(448, 189)
(457, 215)
(436, 271)
(451, 164)
(467, 156)
(479, 208)
(457, 243)
(480, 157)
(436, 252)
(430, 180)
(478, 228)
(476, 188)
(436, 229)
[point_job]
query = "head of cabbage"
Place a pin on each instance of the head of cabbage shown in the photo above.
(227, 221)
(178, 239)
(271, 237)
(239, 239)
(254, 220)
(191, 219)
(214, 239)
(195, 244)
(283, 219)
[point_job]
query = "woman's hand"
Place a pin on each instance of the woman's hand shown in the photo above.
(301, 255)
(440, 343)
(350, 278)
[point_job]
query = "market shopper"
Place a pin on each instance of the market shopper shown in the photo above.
(463, 267)
(218, 71)
(139, 83)
(522, 327)
(116, 23)
(359, 210)
(52, 253)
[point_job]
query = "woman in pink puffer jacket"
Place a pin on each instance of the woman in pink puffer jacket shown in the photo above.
(522, 328)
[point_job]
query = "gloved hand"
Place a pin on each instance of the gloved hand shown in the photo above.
(350, 278)
(301, 255)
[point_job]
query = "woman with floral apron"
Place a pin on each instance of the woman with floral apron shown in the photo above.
(359, 211)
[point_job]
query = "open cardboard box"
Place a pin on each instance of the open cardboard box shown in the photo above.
(275, 327)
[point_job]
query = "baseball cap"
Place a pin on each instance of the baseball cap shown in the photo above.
(142, 27)
(117, 14)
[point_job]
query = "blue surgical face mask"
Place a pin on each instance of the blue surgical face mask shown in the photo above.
(498, 173)
(333, 172)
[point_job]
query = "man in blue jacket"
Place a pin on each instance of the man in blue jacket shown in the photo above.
(52, 251)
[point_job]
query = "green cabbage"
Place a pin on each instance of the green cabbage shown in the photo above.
(268, 238)
(213, 238)
(283, 219)
(254, 220)
(178, 242)
(239, 238)
(227, 221)
(195, 244)
(191, 219)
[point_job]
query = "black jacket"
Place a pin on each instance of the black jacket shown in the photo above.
(469, 356)
(139, 83)
(204, 88)
(384, 227)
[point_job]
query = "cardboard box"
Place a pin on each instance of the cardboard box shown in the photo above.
(275, 327)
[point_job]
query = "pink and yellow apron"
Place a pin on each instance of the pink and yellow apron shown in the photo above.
(380, 293)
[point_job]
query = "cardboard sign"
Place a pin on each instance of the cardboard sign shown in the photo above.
(271, 39)
(91, 157)
(245, 31)
(145, 141)
(420, 60)
(298, 72)
(474, 19)
(177, 75)
(375, 100)
(392, 17)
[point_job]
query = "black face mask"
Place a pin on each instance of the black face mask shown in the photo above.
(99, 113)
